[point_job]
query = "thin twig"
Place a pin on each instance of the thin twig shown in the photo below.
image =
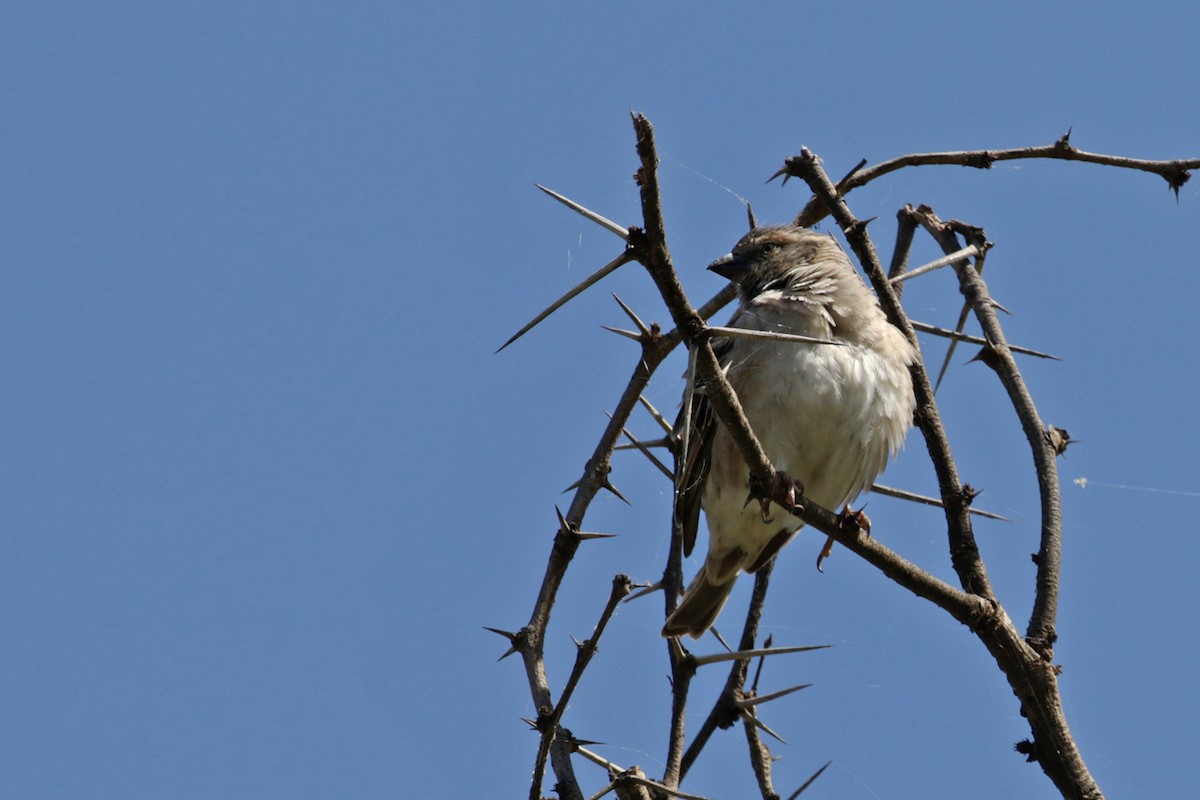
(621, 586)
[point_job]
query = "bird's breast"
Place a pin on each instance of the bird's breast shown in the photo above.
(827, 415)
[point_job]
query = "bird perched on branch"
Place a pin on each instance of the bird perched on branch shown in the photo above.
(828, 415)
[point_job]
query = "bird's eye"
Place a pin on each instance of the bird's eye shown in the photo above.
(768, 247)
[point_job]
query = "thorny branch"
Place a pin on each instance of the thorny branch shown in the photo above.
(1175, 172)
(997, 355)
(1026, 661)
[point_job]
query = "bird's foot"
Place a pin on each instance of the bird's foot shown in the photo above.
(851, 520)
(764, 505)
(848, 520)
(792, 489)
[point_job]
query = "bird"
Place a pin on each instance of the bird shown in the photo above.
(829, 416)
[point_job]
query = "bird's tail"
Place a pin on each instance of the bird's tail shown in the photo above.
(702, 603)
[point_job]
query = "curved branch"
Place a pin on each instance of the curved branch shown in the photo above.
(1175, 172)
(1030, 674)
(998, 356)
(964, 553)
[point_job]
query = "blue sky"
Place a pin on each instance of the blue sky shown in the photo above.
(263, 479)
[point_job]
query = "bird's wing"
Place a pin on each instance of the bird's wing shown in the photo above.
(691, 471)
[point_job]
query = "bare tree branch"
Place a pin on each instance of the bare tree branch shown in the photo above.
(1025, 661)
(1176, 172)
(964, 553)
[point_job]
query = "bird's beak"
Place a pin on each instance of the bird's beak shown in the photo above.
(730, 267)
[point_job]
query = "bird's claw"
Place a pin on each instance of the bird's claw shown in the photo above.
(852, 521)
(826, 551)
(792, 489)
(848, 520)
(764, 506)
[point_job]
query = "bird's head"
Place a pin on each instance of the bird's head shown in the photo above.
(795, 270)
(769, 259)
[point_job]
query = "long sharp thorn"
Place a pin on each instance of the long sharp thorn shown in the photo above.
(773, 336)
(563, 525)
(768, 642)
(512, 637)
(664, 443)
(747, 702)
(611, 266)
(653, 460)
(714, 658)
(659, 418)
(623, 332)
(809, 782)
(958, 329)
(651, 589)
(585, 535)
(900, 494)
(608, 485)
(569, 530)
(945, 365)
(938, 263)
(842, 183)
(603, 222)
(758, 723)
(599, 761)
(646, 452)
(577, 742)
(513, 640)
(925, 327)
(641, 326)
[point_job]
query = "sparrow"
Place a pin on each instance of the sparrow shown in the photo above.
(828, 415)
